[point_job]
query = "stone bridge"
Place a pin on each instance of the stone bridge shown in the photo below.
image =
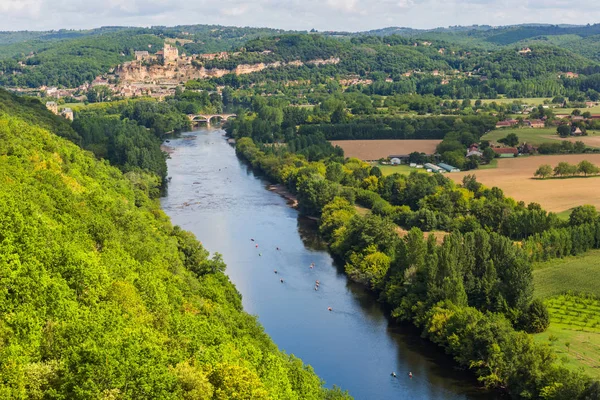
(208, 117)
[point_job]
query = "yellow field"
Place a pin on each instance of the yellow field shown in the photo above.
(514, 177)
(376, 149)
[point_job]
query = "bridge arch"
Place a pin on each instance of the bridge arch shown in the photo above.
(210, 117)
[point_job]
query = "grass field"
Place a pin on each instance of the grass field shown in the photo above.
(574, 331)
(528, 101)
(579, 274)
(515, 177)
(397, 169)
(70, 105)
(376, 149)
(593, 110)
(541, 135)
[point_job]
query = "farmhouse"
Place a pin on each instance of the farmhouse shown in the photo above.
(474, 150)
(536, 123)
(504, 152)
(506, 123)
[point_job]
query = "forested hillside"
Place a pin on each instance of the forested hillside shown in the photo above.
(70, 58)
(103, 298)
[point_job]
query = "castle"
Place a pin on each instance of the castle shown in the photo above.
(169, 54)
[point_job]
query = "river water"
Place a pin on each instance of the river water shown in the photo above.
(354, 346)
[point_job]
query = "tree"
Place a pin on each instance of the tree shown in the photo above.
(537, 318)
(583, 215)
(585, 167)
(576, 112)
(563, 130)
(579, 147)
(565, 169)
(488, 154)
(510, 140)
(543, 171)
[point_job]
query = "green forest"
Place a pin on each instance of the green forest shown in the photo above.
(103, 298)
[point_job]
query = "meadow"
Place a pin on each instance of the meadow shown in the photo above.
(397, 169)
(537, 136)
(529, 101)
(579, 273)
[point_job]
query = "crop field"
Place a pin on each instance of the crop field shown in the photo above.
(515, 177)
(376, 149)
(574, 331)
(542, 135)
(579, 274)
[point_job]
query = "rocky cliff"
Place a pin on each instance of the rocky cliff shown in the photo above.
(136, 72)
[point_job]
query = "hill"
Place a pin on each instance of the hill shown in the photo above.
(102, 297)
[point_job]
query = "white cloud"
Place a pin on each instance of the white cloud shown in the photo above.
(291, 14)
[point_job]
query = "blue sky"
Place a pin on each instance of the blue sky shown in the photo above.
(348, 15)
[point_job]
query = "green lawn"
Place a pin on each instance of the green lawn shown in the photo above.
(70, 105)
(574, 331)
(529, 135)
(564, 215)
(398, 169)
(577, 274)
(492, 164)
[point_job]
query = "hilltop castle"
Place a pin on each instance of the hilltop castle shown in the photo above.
(168, 55)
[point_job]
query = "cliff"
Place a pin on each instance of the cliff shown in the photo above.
(136, 72)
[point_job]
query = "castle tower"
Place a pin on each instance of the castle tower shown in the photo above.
(170, 54)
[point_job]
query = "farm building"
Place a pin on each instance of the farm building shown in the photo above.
(504, 152)
(448, 168)
(536, 123)
(434, 168)
(395, 161)
(507, 123)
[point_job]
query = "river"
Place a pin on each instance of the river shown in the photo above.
(354, 346)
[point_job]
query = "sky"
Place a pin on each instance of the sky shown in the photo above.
(341, 15)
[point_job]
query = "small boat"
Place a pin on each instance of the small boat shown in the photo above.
(275, 271)
(329, 308)
(281, 280)
(410, 374)
(393, 374)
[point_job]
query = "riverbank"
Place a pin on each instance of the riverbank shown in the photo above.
(283, 192)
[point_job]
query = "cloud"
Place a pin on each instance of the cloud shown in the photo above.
(351, 15)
